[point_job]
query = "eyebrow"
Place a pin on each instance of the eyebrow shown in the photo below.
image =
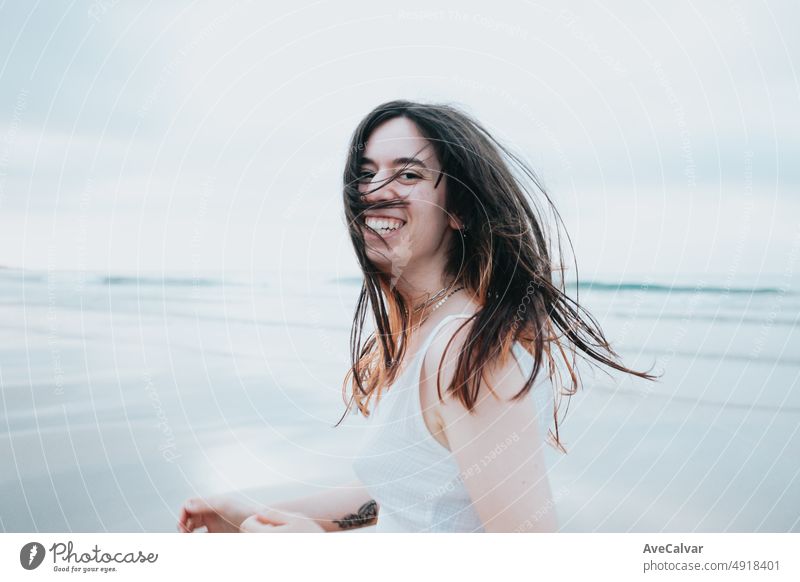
(403, 161)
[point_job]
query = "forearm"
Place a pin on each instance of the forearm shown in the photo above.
(347, 507)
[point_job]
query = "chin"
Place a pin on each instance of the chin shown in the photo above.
(379, 260)
(390, 254)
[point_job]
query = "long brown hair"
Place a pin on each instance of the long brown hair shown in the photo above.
(504, 260)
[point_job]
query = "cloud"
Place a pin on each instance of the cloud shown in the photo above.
(130, 109)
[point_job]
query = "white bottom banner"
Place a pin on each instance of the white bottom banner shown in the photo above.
(412, 557)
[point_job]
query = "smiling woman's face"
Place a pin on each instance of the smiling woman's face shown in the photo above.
(418, 232)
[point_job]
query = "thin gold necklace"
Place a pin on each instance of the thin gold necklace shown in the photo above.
(438, 303)
(432, 299)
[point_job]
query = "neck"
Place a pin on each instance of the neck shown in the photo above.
(417, 288)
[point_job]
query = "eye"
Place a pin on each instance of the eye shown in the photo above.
(410, 176)
(365, 177)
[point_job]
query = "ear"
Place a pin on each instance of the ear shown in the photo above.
(455, 222)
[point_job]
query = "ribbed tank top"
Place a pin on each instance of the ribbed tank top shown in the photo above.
(416, 481)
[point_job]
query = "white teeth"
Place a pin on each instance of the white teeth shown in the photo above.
(386, 224)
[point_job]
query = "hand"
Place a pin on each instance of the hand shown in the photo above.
(218, 514)
(276, 521)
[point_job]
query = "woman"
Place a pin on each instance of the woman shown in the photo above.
(458, 277)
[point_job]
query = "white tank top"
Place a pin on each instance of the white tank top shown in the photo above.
(415, 480)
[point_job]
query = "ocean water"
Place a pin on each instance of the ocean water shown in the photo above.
(123, 394)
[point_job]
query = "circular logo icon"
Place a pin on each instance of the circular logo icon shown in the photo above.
(31, 555)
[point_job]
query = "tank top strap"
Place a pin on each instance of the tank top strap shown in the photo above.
(411, 398)
(418, 357)
(523, 357)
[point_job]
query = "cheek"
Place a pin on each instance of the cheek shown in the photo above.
(432, 221)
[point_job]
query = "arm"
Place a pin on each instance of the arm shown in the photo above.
(347, 507)
(497, 446)
(337, 509)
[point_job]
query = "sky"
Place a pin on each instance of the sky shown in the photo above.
(210, 136)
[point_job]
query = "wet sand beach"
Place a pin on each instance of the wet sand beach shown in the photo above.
(122, 396)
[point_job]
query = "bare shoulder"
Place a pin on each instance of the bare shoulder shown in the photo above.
(501, 380)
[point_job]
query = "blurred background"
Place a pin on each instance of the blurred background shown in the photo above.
(177, 283)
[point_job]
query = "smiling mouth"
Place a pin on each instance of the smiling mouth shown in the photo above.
(384, 226)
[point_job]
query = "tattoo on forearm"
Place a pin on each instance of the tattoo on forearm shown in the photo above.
(367, 515)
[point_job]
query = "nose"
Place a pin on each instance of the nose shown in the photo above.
(380, 188)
